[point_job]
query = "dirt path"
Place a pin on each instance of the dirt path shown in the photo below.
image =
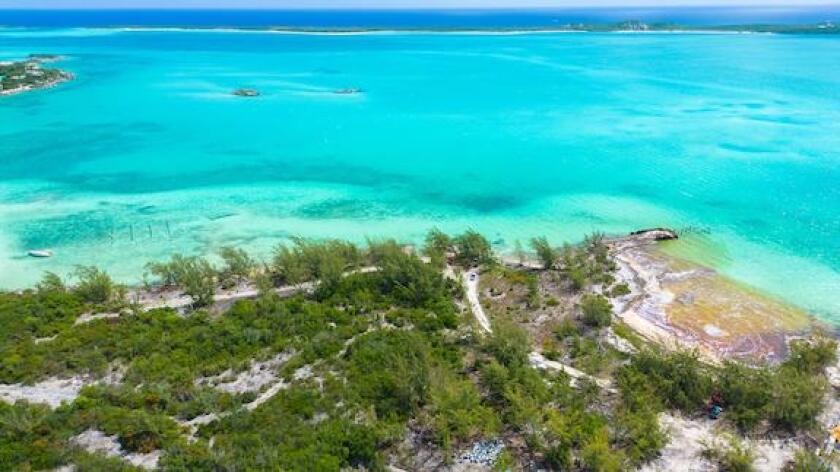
(176, 300)
(471, 282)
(540, 362)
(471, 279)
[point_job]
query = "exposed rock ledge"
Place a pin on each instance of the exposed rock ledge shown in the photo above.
(97, 442)
(654, 234)
(681, 304)
(55, 391)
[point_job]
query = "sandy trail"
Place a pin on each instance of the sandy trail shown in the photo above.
(471, 279)
(471, 282)
(176, 300)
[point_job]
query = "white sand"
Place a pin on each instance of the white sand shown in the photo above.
(95, 441)
(471, 282)
(88, 317)
(689, 437)
(258, 375)
(538, 361)
(54, 391)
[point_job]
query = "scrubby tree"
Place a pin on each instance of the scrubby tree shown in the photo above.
(807, 461)
(674, 380)
(306, 260)
(796, 399)
(812, 356)
(96, 286)
(746, 392)
(238, 265)
(546, 254)
(473, 249)
(195, 276)
(509, 343)
(436, 245)
(596, 310)
(730, 454)
(519, 252)
(51, 282)
(199, 281)
(457, 412)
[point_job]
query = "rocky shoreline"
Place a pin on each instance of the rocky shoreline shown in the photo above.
(44, 86)
(684, 305)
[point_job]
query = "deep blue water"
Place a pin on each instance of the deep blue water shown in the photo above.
(534, 18)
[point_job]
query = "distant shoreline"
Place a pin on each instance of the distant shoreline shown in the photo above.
(826, 28)
(48, 85)
(386, 31)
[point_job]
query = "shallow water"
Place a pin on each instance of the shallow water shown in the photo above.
(147, 152)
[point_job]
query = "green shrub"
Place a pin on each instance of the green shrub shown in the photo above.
(51, 282)
(95, 286)
(796, 399)
(307, 260)
(596, 310)
(437, 244)
(639, 433)
(597, 455)
(812, 356)
(509, 344)
(457, 413)
(195, 276)
(746, 393)
(473, 249)
(807, 461)
(566, 328)
(620, 290)
(677, 379)
(391, 370)
(545, 253)
(623, 331)
(730, 455)
(238, 265)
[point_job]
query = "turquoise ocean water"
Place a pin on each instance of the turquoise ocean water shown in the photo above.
(147, 153)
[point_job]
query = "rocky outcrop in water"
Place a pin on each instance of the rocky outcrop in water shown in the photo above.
(655, 234)
(246, 93)
(682, 304)
(348, 91)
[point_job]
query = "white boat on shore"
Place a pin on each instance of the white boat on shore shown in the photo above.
(40, 253)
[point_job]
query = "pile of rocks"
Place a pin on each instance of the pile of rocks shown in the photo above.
(482, 453)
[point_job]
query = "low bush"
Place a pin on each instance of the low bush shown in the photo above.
(596, 310)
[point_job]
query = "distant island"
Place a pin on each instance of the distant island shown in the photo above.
(825, 27)
(27, 75)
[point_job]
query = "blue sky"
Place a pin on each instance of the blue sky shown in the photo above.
(389, 3)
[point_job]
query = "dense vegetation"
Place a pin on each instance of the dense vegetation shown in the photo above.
(15, 75)
(380, 363)
(786, 397)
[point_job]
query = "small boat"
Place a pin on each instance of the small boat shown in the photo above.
(40, 253)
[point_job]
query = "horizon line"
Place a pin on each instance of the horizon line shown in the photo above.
(422, 8)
